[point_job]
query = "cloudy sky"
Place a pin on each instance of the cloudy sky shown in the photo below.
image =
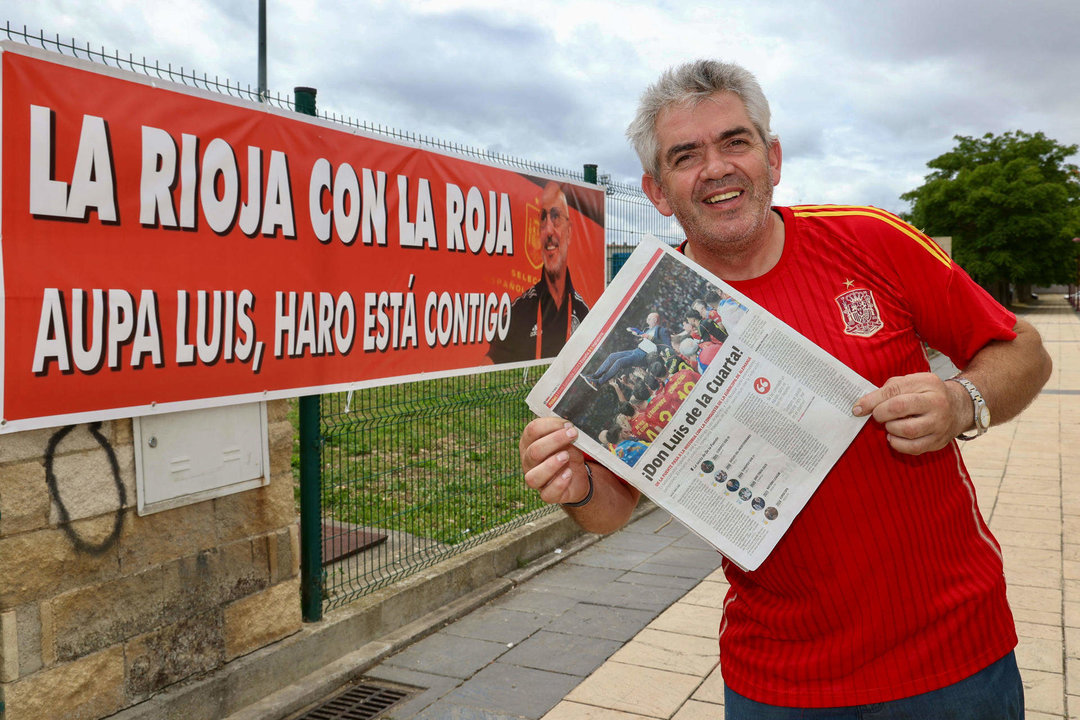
(863, 93)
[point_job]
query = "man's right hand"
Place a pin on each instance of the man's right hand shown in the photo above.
(556, 469)
(552, 465)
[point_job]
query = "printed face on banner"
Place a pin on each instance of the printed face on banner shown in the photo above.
(166, 247)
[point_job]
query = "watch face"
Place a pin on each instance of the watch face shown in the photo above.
(984, 417)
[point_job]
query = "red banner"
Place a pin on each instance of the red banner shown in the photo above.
(165, 248)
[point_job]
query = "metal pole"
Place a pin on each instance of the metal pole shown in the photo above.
(311, 571)
(262, 50)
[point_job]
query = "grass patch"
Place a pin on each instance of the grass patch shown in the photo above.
(437, 459)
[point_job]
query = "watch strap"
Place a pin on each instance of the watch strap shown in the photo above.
(978, 407)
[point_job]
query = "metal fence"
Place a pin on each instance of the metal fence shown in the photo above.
(630, 216)
(406, 475)
(414, 473)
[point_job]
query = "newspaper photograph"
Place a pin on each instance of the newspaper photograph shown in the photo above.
(713, 408)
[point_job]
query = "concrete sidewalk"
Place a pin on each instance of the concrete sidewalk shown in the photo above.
(626, 629)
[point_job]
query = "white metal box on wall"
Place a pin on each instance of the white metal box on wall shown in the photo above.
(195, 455)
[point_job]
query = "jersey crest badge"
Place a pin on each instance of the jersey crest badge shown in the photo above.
(860, 312)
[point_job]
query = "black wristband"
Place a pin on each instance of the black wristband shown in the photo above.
(579, 503)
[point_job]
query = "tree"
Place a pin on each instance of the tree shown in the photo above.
(1011, 202)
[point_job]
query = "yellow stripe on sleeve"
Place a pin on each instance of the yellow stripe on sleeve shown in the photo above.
(886, 217)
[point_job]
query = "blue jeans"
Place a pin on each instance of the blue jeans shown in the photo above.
(617, 362)
(993, 693)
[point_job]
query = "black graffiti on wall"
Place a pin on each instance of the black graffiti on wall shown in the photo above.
(81, 544)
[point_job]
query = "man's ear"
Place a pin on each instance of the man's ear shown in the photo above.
(775, 158)
(655, 192)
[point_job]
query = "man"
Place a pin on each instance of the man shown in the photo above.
(543, 317)
(705, 327)
(878, 595)
(650, 340)
(728, 310)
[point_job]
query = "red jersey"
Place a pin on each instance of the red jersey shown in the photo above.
(641, 428)
(681, 383)
(656, 415)
(889, 583)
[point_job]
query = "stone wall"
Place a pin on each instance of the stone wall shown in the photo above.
(101, 608)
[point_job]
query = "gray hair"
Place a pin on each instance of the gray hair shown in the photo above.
(687, 85)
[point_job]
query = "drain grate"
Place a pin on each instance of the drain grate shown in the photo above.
(360, 702)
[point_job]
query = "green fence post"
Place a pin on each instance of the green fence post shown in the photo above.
(311, 573)
(310, 509)
(590, 173)
(304, 99)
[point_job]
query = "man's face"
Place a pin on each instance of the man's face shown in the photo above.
(716, 175)
(652, 319)
(554, 231)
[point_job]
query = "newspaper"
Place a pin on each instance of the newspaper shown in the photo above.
(742, 425)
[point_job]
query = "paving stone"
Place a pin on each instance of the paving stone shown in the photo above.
(450, 711)
(617, 559)
(654, 567)
(1072, 642)
(1004, 510)
(530, 598)
(1027, 557)
(708, 593)
(576, 580)
(688, 654)
(642, 542)
(498, 625)
(694, 542)
(696, 710)
(1044, 692)
(599, 621)
(647, 691)
(657, 522)
(449, 655)
(517, 691)
(1039, 526)
(651, 580)
(1034, 598)
(558, 652)
(706, 560)
(712, 689)
(576, 711)
(690, 620)
(1039, 654)
(640, 597)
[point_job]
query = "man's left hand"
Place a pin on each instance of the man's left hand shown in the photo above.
(920, 412)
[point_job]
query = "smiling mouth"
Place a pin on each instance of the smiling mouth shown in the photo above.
(551, 244)
(722, 197)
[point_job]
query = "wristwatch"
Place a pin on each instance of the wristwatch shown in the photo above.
(982, 412)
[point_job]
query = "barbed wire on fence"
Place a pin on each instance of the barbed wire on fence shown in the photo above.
(101, 56)
(191, 78)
